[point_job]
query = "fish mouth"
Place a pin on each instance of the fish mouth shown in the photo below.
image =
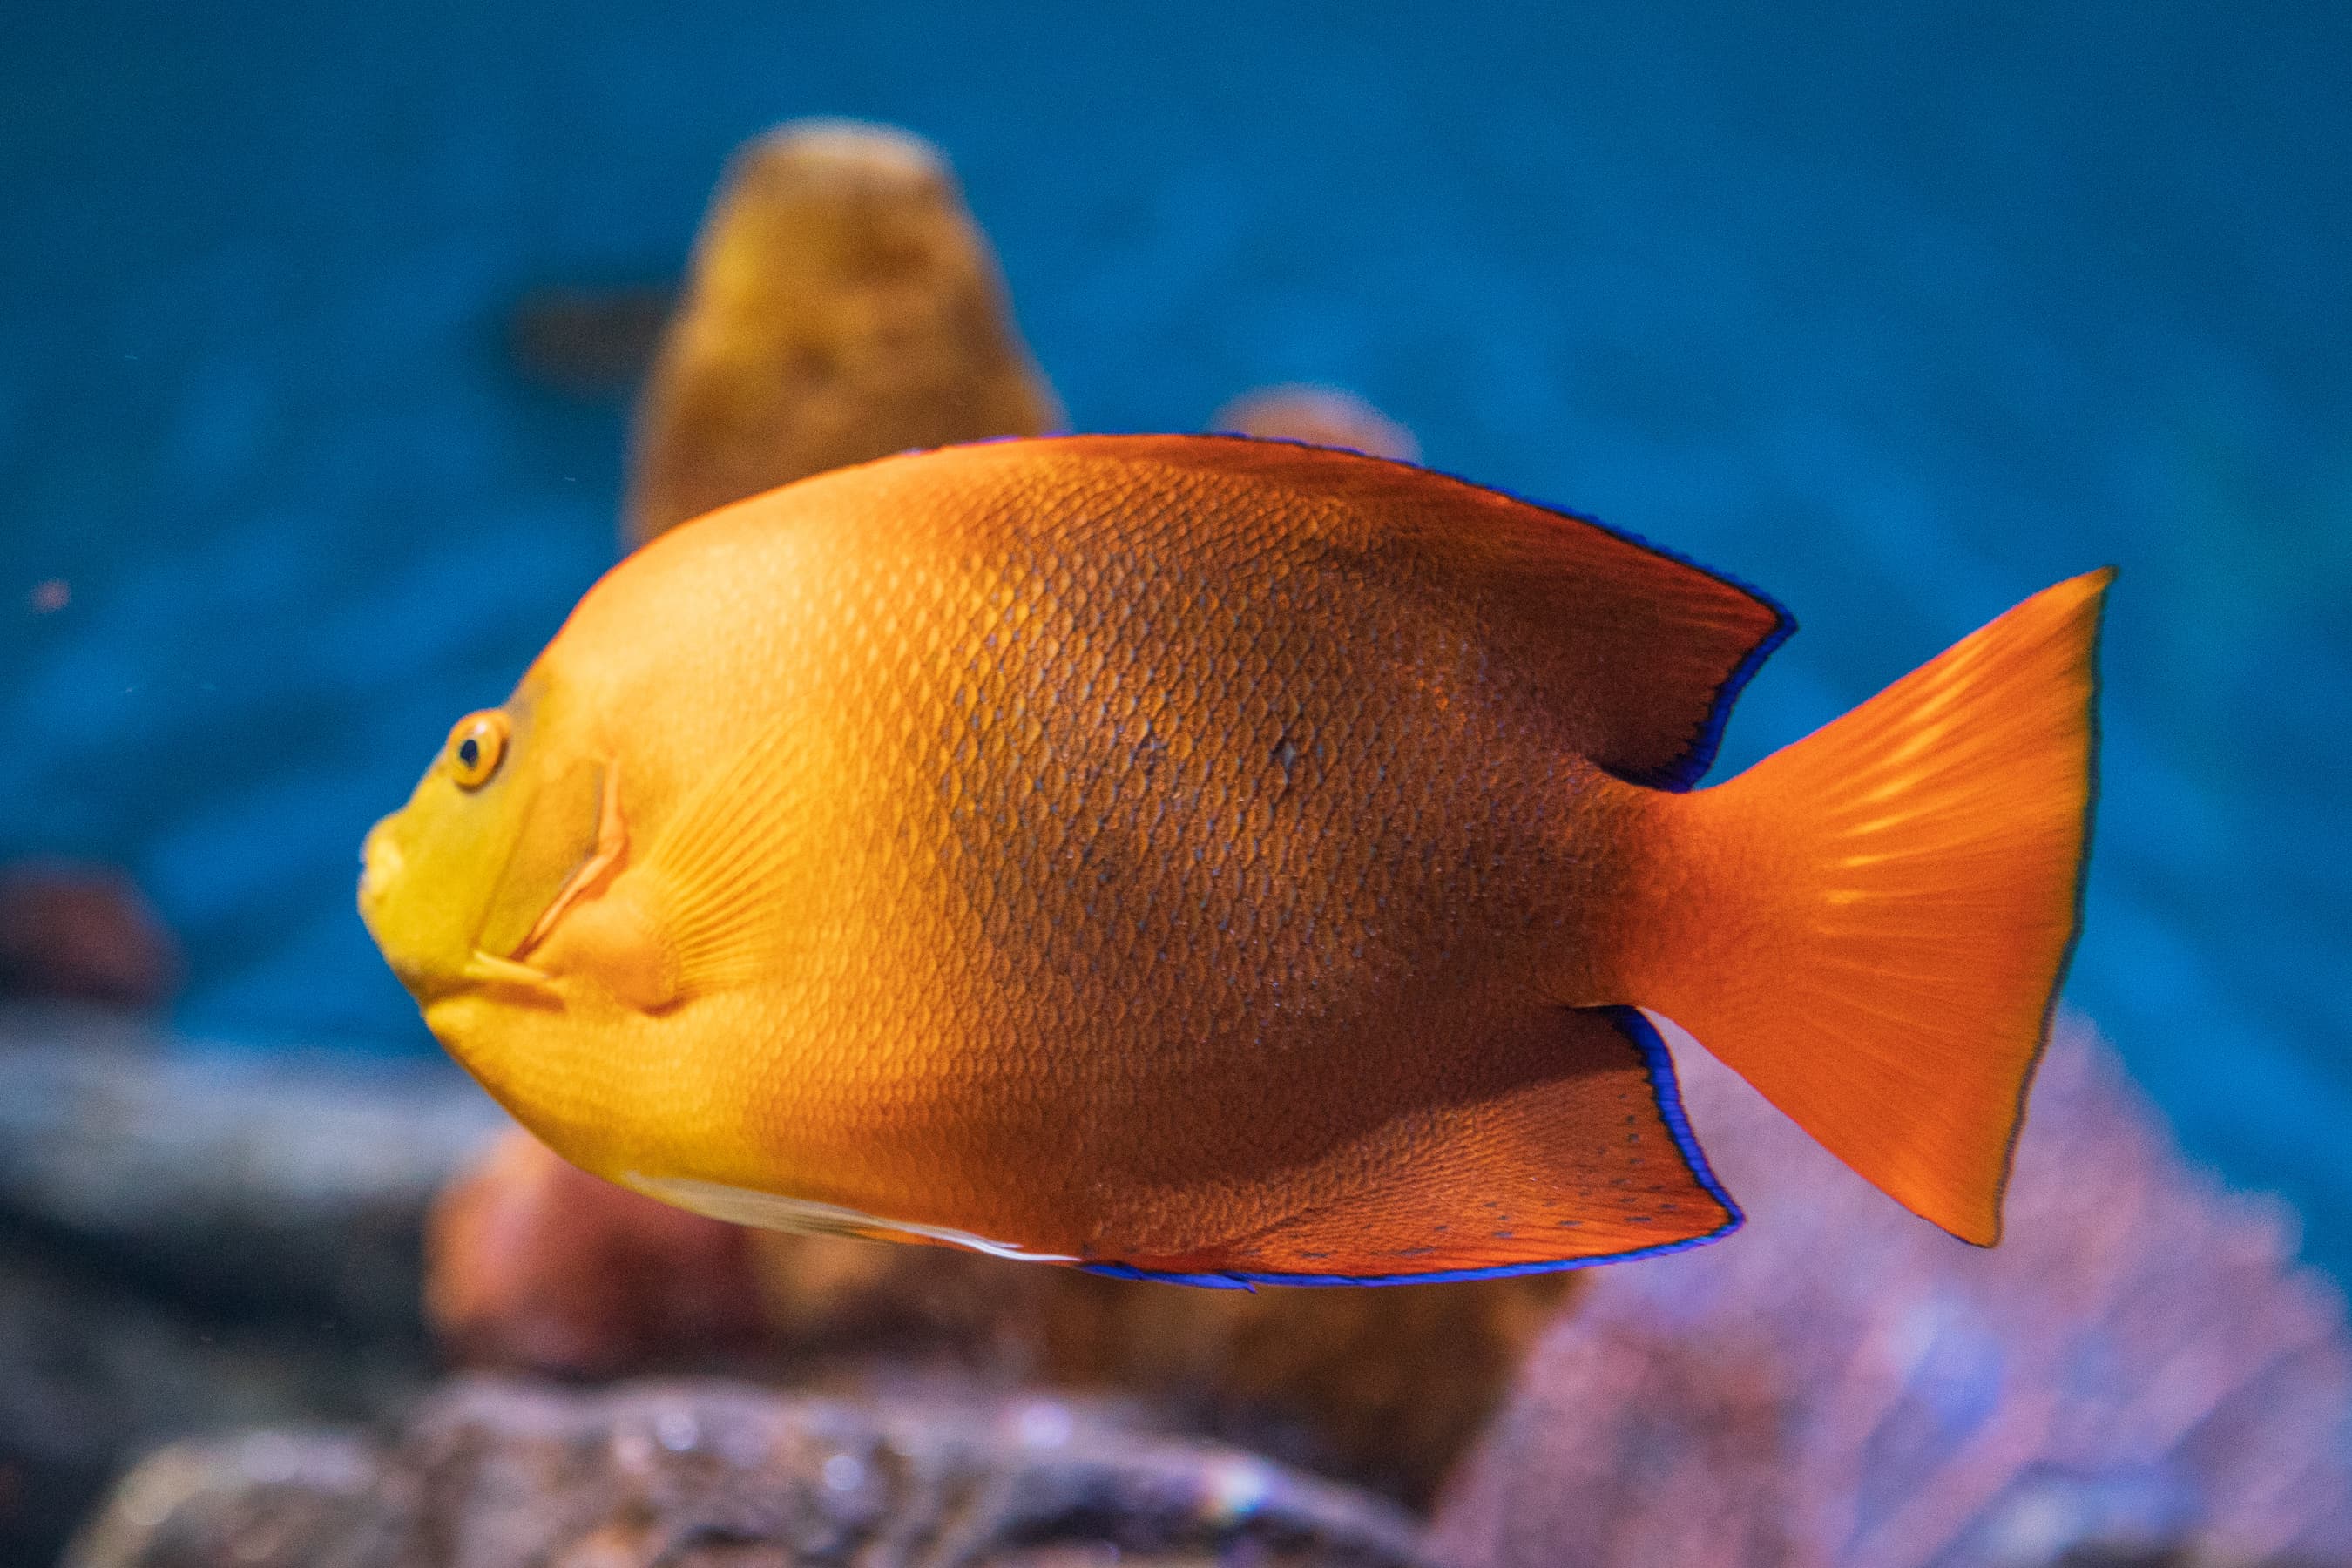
(432, 975)
(382, 868)
(379, 866)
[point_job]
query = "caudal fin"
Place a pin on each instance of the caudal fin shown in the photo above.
(1870, 925)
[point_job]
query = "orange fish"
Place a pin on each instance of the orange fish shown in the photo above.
(1232, 861)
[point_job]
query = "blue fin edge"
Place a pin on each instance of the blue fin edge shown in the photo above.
(1687, 770)
(1684, 773)
(1656, 1061)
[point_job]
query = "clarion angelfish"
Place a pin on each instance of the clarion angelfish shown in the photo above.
(1232, 861)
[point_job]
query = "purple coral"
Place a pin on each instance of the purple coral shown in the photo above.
(2138, 1367)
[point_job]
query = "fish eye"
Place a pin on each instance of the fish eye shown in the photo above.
(477, 746)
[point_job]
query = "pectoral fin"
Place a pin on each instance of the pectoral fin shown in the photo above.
(725, 868)
(698, 908)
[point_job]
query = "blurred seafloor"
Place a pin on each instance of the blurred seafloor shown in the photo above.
(1899, 315)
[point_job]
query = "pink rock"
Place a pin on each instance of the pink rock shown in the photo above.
(1321, 416)
(2139, 1366)
(82, 933)
(534, 1264)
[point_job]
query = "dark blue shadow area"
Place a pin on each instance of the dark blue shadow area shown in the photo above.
(1898, 316)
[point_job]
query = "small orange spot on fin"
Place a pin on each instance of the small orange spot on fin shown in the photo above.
(1870, 924)
(1592, 1163)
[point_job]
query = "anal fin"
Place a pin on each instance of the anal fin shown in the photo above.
(1594, 1163)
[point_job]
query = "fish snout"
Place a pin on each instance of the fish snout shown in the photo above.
(379, 866)
(390, 907)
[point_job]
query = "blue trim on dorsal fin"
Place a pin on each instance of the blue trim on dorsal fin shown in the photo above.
(1681, 774)
(1660, 1066)
(1685, 772)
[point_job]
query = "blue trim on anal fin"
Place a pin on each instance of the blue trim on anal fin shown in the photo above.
(1659, 1063)
(1656, 1061)
(1206, 1281)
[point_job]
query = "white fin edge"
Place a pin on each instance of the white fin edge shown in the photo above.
(773, 1211)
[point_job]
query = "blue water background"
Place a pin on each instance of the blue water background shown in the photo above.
(1899, 311)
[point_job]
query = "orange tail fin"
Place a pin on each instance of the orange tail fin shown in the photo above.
(1869, 925)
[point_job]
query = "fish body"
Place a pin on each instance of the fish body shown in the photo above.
(1215, 859)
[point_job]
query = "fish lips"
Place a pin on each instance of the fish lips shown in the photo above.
(382, 864)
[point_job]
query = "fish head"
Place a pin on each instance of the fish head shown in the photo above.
(454, 884)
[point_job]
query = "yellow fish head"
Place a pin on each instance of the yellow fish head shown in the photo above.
(454, 883)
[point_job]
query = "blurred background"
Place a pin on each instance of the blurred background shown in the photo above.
(1899, 315)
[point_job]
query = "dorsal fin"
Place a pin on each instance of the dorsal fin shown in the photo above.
(1642, 651)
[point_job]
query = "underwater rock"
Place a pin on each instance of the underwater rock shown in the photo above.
(2139, 1371)
(697, 1475)
(1385, 1387)
(533, 1266)
(83, 934)
(1319, 416)
(283, 1181)
(94, 1373)
(531, 1263)
(191, 1236)
(842, 305)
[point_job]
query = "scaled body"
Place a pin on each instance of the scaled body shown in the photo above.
(1193, 855)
